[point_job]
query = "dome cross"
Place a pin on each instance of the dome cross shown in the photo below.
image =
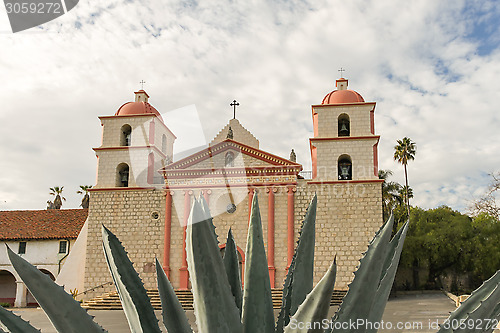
(341, 70)
(142, 84)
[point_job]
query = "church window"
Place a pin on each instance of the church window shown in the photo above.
(22, 248)
(126, 134)
(229, 159)
(164, 144)
(345, 167)
(122, 175)
(344, 128)
(63, 246)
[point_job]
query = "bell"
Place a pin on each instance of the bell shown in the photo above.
(124, 176)
(343, 129)
(344, 170)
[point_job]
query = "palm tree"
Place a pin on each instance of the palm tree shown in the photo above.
(57, 191)
(405, 151)
(391, 193)
(84, 189)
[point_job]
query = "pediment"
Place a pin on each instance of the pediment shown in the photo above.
(243, 157)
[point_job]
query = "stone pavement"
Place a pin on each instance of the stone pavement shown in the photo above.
(421, 309)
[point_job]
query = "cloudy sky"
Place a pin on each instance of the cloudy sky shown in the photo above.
(432, 66)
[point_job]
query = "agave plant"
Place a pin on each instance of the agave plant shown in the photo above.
(220, 305)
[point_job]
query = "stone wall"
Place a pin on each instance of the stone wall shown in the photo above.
(348, 216)
(129, 215)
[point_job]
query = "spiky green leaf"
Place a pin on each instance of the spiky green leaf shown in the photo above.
(472, 303)
(315, 307)
(214, 304)
(63, 311)
(358, 301)
(257, 314)
(13, 323)
(299, 279)
(135, 301)
(388, 275)
(484, 311)
(232, 266)
(174, 316)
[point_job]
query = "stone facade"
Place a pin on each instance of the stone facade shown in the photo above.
(150, 220)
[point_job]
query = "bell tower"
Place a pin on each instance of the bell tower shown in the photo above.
(344, 147)
(136, 143)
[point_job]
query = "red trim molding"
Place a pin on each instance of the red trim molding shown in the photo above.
(121, 189)
(368, 137)
(129, 148)
(346, 181)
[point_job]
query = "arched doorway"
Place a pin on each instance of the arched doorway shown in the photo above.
(8, 287)
(30, 300)
(241, 258)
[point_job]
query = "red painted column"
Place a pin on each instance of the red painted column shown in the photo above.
(184, 274)
(206, 195)
(270, 235)
(251, 192)
(290, 225)
(167, 234)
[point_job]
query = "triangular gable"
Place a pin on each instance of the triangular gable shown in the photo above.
(245, 156)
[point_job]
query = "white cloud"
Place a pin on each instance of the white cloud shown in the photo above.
(418, 60)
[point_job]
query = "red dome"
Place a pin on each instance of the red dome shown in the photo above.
(342, 96)
(134, 108)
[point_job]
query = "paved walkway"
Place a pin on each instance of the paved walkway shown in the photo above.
(423, 310)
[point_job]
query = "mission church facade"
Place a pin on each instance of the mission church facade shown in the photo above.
(144, 197)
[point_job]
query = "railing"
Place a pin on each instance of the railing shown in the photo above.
(94, 288)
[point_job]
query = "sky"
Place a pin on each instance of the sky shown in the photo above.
(432, 67)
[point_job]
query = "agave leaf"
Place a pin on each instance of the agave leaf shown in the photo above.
(135, 301)
(214, 304)
(174, 317)
(384, 289)
(496, 319)
(13, 323)
(316, 305)
(257, 314)
(299, 279)
(232, 266)
(206, 209)
(473, 302)
(63, 311)
(483, 311)
(358, 301)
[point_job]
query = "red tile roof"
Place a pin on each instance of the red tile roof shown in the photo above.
(41, 224)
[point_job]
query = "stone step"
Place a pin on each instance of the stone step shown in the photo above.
(111, 301)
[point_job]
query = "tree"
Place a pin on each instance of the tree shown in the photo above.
(405, 151)
(487, 204)
(56, 191)
(84, 189)
(391, 194)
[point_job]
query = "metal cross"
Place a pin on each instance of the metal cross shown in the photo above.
(341, 70)
(234, 104)
(142, 84)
